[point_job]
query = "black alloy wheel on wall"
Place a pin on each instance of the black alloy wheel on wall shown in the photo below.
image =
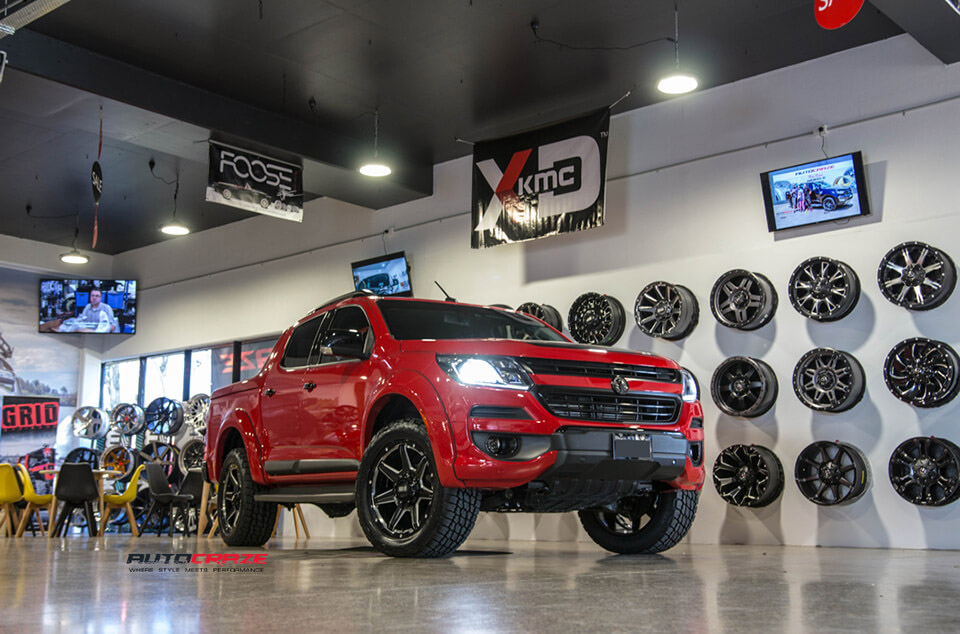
(748, 475)
(917, 276)
(923, 372)
(596, 319)
(84, 455)
(668, 311)
(743, 300)
(828, 380)
(164, 416)
(744, 386)
(544, 312)
(926, 471)
(824, 289)
(832, 473)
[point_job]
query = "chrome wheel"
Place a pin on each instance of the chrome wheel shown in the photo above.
(828, 380)
(926, 471)
(402, 490)
(923, 372)
(832, 473)
(90, 422)
(743, 300)
(917, 276)
(824, 289)
(195, 412)
(128, 419)
(230, 497)
(748, 475)
(668, 311)
(743, 386)
(596, 319)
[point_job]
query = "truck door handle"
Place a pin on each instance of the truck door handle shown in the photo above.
(270, 391)
(309, 386)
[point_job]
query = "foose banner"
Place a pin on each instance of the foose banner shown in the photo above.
(254, 182)
(540, 183)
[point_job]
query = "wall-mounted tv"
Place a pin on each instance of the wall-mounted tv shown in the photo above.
(385, 275)
(88, 306)
(820, 191)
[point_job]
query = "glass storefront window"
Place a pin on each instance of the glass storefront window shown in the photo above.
(121, 383)
(164, 377)
(210, 369)
(253, 354)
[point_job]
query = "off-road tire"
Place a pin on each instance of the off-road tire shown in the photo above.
(670, 523)
(452, 512)
(255, 523)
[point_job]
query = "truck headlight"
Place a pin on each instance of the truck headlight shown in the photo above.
(691, 389)
(485, 371)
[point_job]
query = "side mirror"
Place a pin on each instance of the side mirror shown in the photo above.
(344, 343)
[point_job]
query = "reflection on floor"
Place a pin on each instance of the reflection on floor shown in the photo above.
(325, 585)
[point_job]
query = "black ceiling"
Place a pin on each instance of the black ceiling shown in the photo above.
(435, 69)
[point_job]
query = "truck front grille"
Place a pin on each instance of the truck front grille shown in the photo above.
(562, 367)
(604, 406)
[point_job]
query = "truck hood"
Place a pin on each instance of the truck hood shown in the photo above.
(538, 349)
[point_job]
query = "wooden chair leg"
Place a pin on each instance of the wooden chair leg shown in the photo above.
(43, 531)
(24, 520)
(214, 527)
(104, 516)
(296, 525)
(276, 521)
(132, 519)
(303, 522)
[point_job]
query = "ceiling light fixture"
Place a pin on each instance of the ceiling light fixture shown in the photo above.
(174, 227)
(73, 256)
(677, 82)
(374, 167)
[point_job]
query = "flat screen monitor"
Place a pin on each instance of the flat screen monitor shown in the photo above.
(88, 306)
(810, 193)
(385, 275)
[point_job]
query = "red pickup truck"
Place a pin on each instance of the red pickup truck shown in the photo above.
(420, 414)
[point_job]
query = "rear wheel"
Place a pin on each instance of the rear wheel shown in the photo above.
(243, 521)
(645, 524)
(403, 509)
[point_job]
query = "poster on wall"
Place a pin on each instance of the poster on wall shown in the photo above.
(29, 413)
(255, 182)
(544, 182)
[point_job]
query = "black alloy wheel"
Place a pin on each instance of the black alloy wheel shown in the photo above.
(544, 312)
(163, 453)
(923, 372)
(243, 521)
(191, 455)
(824, 289)
(668, 311)
(829, 203)
(596, 319)
(744, 386)
(402, 490)
(743, 300)
(832, 473)
(164, 416)
(748, 475)
(828, 380)
(926, 471)
(650, 523)
(917, 276)
(128, 419)
(84, 455)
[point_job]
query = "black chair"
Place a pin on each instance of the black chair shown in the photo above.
(163, 498)
(76, 488)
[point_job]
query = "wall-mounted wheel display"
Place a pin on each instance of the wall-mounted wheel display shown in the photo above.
(832, 473)
(191, 455)
(828, 380)
(84, 454)
(668, 311)
(544, 312)
(917, 276)
(744, 386)
(195, 411)
(824, 289)
(923, 372)
(926, 471)
(743, 300)
(164, 416)
(597, 319)
(748, 475)
(119, 458)
(128, 419)
(91, 423)
(163, 453)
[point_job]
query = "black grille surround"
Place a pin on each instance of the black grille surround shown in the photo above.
(605, 406)
(562, 367)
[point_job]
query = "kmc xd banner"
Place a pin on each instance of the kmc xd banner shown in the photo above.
(254, 182)
(545, 182)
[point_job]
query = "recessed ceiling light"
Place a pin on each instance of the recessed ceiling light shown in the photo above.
(175, 228)
(677, 83)
(73, 257)
(375, 169)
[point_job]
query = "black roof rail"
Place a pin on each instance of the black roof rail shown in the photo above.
(362, 293)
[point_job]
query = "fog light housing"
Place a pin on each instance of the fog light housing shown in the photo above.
(500, 446)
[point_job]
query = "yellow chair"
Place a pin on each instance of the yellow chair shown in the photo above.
(34, 502)
(9, 495)
(122, 501)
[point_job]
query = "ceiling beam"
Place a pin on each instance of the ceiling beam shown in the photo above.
(935, 24)
(330, 158)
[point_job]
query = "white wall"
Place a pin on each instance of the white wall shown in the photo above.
(685, 224)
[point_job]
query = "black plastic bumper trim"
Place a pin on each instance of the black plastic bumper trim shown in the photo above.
(298, 467)
(496, 411)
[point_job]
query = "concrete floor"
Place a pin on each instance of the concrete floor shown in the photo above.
(78, 584)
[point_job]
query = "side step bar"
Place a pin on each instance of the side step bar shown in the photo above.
(329, 494)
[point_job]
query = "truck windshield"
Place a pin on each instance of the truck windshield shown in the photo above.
(425, 320)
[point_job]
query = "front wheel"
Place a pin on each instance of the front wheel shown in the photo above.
(243, 520)
(403, 509)
(647, 524)
(829, 203)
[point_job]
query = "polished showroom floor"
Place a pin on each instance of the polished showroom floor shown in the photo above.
(78, 584)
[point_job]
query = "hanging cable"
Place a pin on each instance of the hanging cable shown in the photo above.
(535, 27)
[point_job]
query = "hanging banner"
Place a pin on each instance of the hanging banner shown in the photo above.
(28, 413)
(254, 182)
(545, 182)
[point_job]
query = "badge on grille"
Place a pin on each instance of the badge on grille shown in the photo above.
(620, 385)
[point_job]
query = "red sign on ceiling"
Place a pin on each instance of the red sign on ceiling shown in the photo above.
(832, 14)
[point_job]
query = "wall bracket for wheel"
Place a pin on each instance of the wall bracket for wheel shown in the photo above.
(923, 372)
(668, 311)
(596, 319)
(748, 475)
(828, 380)
(823, 289)
(917, 276)
(832, 473)
(744, 386)
(743, 300)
